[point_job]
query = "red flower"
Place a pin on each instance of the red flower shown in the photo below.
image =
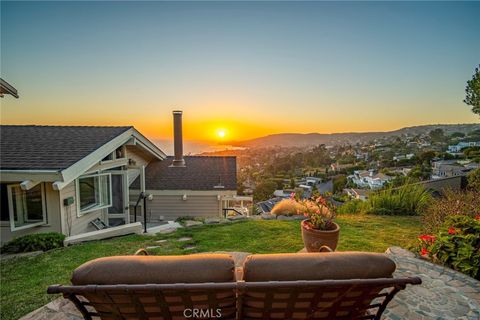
(427, 238)
(452, 230)
(424, 251)
(477, 217)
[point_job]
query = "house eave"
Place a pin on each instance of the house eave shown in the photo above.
(93, 159)
(33, 175)
(145, 144)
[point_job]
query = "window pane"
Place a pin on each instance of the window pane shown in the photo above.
(5, 215)
(105, 188)
(88, 192)
(27, 205)
(94, 192)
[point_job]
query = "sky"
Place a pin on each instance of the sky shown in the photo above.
(241, 69)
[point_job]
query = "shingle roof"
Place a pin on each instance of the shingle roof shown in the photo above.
(50, 147)
(199, 173)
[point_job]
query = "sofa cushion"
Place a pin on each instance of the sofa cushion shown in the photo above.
(317, 266)
(156, 269)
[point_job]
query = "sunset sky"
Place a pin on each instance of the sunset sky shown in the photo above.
(244, 69)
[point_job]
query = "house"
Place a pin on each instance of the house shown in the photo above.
(284, 194)
(6, 88)
(267, 205)
(359, 194)
(341, 167)
(369, 179)
(196, 189)
(472, 166)
(403, 157)
(448, 170)
(65, 178)
(453, 149)
(60, 179)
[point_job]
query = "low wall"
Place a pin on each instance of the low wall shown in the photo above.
(105, 233)
(440, 185)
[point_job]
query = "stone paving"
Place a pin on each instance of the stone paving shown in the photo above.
(444, 294)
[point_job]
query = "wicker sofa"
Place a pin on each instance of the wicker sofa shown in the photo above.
(337, 285)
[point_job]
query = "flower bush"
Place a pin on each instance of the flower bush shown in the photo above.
(451, 203)
(286, 207)
(319, 212)
(455, 245)
(34, 242)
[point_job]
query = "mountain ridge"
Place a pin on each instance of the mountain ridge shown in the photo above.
(306, 139)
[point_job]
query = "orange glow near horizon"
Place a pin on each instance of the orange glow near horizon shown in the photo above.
(205, 123)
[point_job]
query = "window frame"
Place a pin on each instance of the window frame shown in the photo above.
(80, 212)
(11, 212)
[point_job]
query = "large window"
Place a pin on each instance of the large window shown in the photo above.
(93, 192)
(26, 207)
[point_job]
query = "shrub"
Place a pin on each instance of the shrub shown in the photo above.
(320, 213)
(473, 179)
(34, 242)
(286, 207)
(455, 245)
(352, 206)
(452, 203)
(409, 199)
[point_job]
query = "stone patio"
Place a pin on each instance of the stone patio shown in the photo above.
(444, 293)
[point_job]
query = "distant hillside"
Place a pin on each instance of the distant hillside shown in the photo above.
(308, 139)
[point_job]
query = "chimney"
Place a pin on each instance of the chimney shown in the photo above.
(177, 139)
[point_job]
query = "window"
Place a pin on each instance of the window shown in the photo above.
(93, 192)
(26, 207)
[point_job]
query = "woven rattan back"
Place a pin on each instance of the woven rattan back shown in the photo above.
(322, 299)
(352, 299)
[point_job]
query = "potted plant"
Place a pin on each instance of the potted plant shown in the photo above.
(319, 229)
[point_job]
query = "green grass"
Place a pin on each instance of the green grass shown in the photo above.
(24, 280)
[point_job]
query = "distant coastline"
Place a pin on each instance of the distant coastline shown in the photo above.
(307, 139)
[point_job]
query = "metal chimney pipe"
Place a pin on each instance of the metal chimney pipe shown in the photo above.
(178, 161)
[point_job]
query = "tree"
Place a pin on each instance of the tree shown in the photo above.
(437, 135)
(474, 179)
(457, 135)
(264, 190)
(426, 157)
(420, 172)
(472, 92)
(339, 183)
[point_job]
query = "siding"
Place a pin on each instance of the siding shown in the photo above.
(53, 218)
(171, 207)
(140, 158)
(73, 225)
(168, 204)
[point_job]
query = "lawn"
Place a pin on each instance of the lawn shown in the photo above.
(24, 280)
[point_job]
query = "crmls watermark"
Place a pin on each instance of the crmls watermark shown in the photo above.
(202, 313)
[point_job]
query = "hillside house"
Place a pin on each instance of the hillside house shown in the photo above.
(453, 149)
(369, 179)
(75, 180)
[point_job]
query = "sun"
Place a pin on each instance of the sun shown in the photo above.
(221, 133)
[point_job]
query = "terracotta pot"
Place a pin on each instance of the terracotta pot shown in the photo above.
(314, 239)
